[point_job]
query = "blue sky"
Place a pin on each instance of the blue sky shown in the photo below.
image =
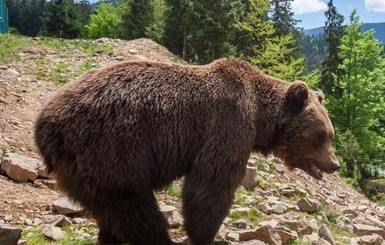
(311, 12)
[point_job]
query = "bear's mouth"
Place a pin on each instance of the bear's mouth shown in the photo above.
(314, 171)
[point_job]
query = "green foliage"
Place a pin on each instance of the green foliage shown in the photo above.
(276, 60)
(105, 22)
(173, 190)
(282, 17)
(334, 31)
(25, 15)
(358, 109)
(34, 236)
(137, 16)
(212, 29)
(260, 45)
(332, 217)
(9, 45)
(61, 19)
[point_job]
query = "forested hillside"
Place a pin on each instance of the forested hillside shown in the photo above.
(346, 62)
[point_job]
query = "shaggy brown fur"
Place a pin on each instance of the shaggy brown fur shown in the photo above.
(118, 133)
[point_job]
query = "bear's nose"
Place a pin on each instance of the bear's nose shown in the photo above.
(335, 166)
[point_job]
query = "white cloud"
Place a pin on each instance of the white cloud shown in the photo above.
(375, 5)
(309, 6)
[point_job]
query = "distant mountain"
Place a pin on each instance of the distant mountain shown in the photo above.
(378, 27)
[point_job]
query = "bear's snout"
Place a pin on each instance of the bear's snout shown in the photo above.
(335, 166)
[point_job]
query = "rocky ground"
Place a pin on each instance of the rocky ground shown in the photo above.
(274, 205)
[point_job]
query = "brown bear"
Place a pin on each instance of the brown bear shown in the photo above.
(116, 134)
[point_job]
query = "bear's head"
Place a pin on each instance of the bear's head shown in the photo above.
(306, 132)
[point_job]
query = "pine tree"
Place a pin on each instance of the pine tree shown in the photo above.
(263, 48)
(211, 30)
(334, 32)
(282, 17)
(177, 24)
(138, 16)
(61, 19)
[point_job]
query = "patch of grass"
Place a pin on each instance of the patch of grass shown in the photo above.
(173, 190)
(337, 231)
(236, 216)
(10, 44)
(254, 215)
(34, 236)
(332, 218)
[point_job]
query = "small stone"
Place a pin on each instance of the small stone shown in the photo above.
(278, 209)
(66, 206)
(242, 211)
(325, 234)
(360, 229)
(279, 168)
(56, 220)
(52, 232)
(8, 217)
(175, 220)
(265, 208)
(312, 238)
(222, 232)
(166, 209)
(246, 235)
(133, 51)
(370, 240)
(350, 213)
(28, 222)
(232, 236)
(308, 205)
(79, 220)
(240, 224)
(251, 177)
(286, 234)
(322, 241)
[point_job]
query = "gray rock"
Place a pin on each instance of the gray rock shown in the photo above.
(286, 234)
(9, 235)
(251, 177)
(325, 234)
(240, 224)
(52, 232)
(66, 206)
(278, 208)
(322, 241)
(254, 242)
(370, 240)
(279, 168)
(166, 210)
(243, 211)
(265, 234)
(20, 168)
(309, 205)
(360, 229)
(232, 236)
(265, 208)
(175, 220)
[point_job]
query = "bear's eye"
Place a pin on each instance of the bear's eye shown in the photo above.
(320, 138)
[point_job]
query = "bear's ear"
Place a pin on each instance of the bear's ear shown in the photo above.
(320, 96)
(296, 95)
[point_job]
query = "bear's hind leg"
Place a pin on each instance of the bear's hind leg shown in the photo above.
(132, 218)
(206, 202)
